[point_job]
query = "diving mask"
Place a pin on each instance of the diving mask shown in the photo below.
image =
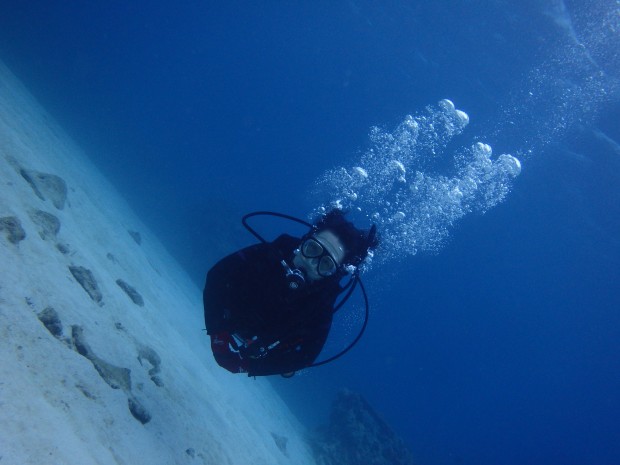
(325, 263)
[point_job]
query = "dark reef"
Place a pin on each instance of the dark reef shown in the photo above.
(357, 435)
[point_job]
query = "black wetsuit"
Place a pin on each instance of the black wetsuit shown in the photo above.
(247, 298)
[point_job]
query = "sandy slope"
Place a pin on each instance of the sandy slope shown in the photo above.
(89, 375)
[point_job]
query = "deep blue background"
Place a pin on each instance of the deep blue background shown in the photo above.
(502, 348)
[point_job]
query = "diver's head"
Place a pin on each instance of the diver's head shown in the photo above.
(357, 242)
(320, 255)
(334, 247)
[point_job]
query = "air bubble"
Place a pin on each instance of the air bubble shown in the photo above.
(456, 195)
(361, 172)
(463, 117)
(399, 166)
(511, 164)
(401, 187)
(447, 104)
(411, 122)
(484, 149)
(467, 185)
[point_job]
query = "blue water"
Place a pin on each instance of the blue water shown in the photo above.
(502, 344)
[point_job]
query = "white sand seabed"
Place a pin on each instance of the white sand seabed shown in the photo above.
(55, 407)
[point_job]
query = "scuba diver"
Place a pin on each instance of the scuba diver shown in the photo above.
(269, 307)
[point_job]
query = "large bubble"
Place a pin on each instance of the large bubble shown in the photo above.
(395, 183)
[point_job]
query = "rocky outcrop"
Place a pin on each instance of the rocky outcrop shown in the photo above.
(63, 248)
(53, 188)
(357, 435)
(116, 377)
(49, 318)
(136, 236)
(138, 411)
(146, 356)
(281, 442)
(47, 186)
(48, 224)
(87, 280)
(134, 295)
(13, 229)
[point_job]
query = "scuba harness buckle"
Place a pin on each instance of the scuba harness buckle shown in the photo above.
(294, 277)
